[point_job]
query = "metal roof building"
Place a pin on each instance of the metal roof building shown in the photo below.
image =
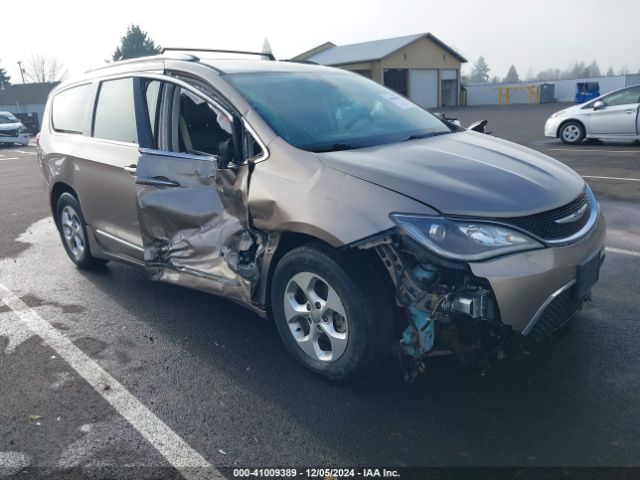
(26, 98)
(420, 67)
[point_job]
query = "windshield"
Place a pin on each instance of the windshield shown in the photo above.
(326, 111)
(8, 118)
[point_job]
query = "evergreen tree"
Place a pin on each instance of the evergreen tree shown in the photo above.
(593, 70)
(5, 79)
(136, 43)
(512, 75)
(480, 71)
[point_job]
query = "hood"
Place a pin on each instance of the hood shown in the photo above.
(10, 126)
(465, 173)
(570, 109)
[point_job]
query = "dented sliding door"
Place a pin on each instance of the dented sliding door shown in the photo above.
(194, 222)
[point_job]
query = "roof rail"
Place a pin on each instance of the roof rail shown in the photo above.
(309, 62)
(269, 55)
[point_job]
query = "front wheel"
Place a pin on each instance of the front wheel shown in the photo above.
(572, 133)
(331, 315)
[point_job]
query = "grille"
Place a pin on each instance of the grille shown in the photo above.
(558, 312)
(9, 133)
(544, 226)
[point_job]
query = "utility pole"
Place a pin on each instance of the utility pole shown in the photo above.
(21, 70)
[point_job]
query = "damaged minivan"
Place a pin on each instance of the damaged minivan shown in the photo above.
(356, 220)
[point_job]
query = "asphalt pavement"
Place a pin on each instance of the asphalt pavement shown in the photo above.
(217, 377)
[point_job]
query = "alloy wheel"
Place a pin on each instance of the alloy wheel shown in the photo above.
(72, 231)
(571, 133)
(316, 317)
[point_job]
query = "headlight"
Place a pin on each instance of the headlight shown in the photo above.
(558, 114)
(22, 130)
(463, 240)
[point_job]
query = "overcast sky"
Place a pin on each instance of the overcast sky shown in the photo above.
(531, 35)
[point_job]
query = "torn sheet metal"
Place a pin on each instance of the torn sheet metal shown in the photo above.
(194, 224)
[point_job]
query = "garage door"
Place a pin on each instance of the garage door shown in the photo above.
(424, 87)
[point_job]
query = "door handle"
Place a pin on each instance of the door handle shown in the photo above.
(630, 111)
(130, 169)
(158, 181)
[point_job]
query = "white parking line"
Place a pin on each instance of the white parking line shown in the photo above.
(173, 448)
(10, 158)
(622, 251)
(599, 150)
(613, 178)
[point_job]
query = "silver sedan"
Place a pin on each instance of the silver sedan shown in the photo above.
(613, 116)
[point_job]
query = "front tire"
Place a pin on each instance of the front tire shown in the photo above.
(571, 133)
(331, 314)
(73, 232)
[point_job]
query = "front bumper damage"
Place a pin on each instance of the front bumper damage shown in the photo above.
(10, 138)
(483, 311)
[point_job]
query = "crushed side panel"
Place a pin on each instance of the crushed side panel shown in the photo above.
(197, 234)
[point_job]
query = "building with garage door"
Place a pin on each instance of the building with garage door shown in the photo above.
(420, 67)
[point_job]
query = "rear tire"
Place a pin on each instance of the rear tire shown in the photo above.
(73, 232)
(571, 133)
(332, 315)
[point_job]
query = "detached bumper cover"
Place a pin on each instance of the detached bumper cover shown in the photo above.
(525, 283)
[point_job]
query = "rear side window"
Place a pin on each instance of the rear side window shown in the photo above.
(623, 97)
(70, 109)
(115, 117)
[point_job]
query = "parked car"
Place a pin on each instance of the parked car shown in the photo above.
(12, 130)
(613, 116)
(356, 220)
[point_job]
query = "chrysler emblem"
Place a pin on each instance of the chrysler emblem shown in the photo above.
(574, 216)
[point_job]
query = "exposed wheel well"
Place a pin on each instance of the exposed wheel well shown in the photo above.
(368, 259)
(572, 120)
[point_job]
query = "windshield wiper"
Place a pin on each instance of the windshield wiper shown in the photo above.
(425, 135)
(335, 147)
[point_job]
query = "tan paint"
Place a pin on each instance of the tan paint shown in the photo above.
(422, 53)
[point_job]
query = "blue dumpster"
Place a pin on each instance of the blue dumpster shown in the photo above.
(586, 91)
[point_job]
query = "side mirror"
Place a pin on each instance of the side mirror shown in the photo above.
(599, 105)
(478, 126)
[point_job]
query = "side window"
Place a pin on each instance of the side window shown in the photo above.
(199, 126)
(153, 90)
(115, 117)
(624, 97)
(251, 147)
(70, 109)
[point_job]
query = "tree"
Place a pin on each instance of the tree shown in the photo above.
(5, 79)
(136, 43)
(41, 69)
(610, 72)
(593, 70)
(266, 48)
(549, 74)
(512, 75)
(480, 71)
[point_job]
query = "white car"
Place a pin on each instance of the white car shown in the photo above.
(12, 130)
(613, 116)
